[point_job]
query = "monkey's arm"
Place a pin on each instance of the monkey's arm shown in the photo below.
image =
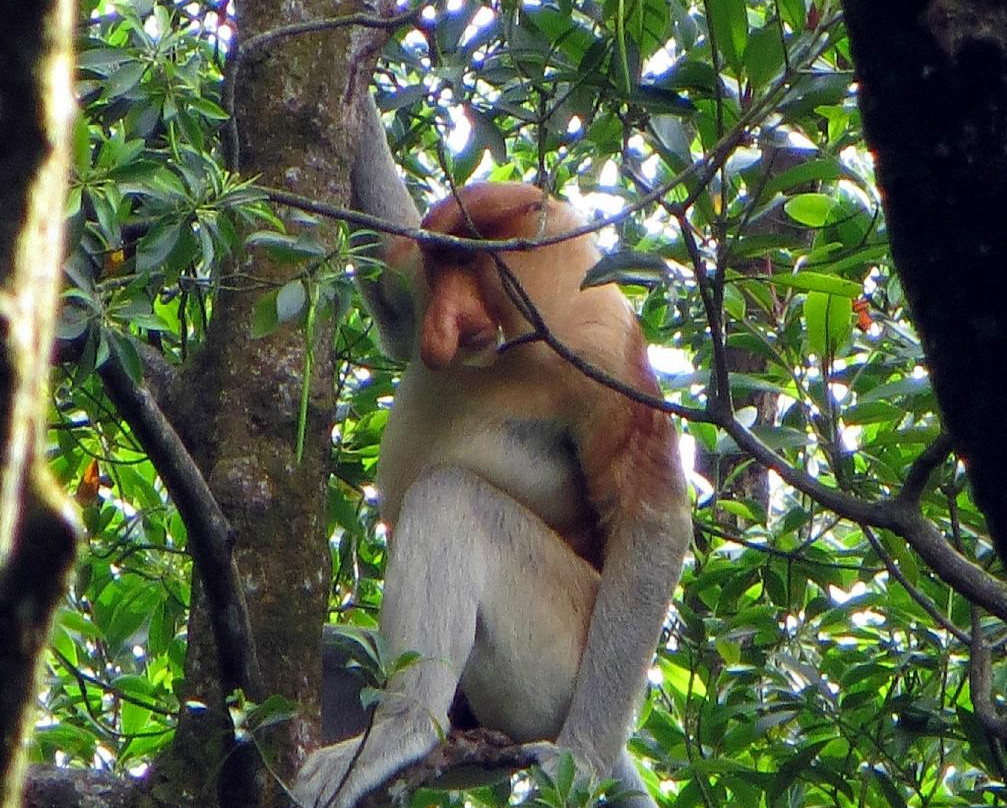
(631, 463)
(378, 189)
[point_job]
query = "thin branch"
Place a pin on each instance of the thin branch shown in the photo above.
(923, 466)
(981, 682)
(84, 679)
(900, 517)
(701, 169)
(260, 42)
(794, 556)
(925, 603)
(544, 335)
(210, 534)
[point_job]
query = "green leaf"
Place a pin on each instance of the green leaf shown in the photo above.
(127, 354)
(794, 13)
(629, 268)
(822, 170)
(101, 57)
(405, 97)
(890, 791)
(264, 317)
(486, 135)
(153, 249)
(739, 508)
(286, 248)
(764, 57)
(812, 90)
(858, 259)
(829, 321)
(404, 662)
(810, 209)
(81, 145)
(908, 387)
(134, 718)
(734, 302)
(564, 774)
(124, 79)
(729, 23)
(273, 711)
(290, 301)
(209, 110)
(794, 767)
(816, 282)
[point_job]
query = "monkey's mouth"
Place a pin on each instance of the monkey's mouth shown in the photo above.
(479, 349)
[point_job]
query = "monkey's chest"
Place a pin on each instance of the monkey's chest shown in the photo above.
(533, 460)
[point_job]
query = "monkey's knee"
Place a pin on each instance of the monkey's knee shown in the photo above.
(448, 505)
(444, 487)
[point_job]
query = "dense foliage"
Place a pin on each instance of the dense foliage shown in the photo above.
(810, 660)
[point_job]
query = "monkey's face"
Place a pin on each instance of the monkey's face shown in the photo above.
(466, 309)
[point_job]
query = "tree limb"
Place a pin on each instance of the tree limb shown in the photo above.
(210, 534)
(981, 682)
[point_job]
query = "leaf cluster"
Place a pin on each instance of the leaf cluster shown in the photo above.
(797, 669)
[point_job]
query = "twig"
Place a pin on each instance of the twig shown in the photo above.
(923, 466)
(210, 540)
(210, 534)
(981, 682)
(927, 605)
(701, 168)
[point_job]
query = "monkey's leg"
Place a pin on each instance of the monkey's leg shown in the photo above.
(484, 592)
(629, 780)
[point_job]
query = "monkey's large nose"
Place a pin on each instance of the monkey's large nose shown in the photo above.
(456, 318)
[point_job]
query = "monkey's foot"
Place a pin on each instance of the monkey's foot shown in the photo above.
(338, 776)
(324, 780)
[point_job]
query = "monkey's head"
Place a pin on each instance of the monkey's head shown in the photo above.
(467, 311)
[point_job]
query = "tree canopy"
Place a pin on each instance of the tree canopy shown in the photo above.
(842, 587)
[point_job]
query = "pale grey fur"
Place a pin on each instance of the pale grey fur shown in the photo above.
(378, 189)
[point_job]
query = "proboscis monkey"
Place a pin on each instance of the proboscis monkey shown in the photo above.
(538, 520)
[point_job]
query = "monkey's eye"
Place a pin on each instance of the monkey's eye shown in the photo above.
(451, 256)
(459, 257)
(465, 258)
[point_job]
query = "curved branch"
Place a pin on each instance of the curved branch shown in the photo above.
(210, 534)
(260, 42)
(981, 682)
(923, 466)
(925, 603)
(899, 516)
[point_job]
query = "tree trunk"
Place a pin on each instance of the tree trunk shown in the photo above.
(933, 94)
(239, 398)
(38, 531)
